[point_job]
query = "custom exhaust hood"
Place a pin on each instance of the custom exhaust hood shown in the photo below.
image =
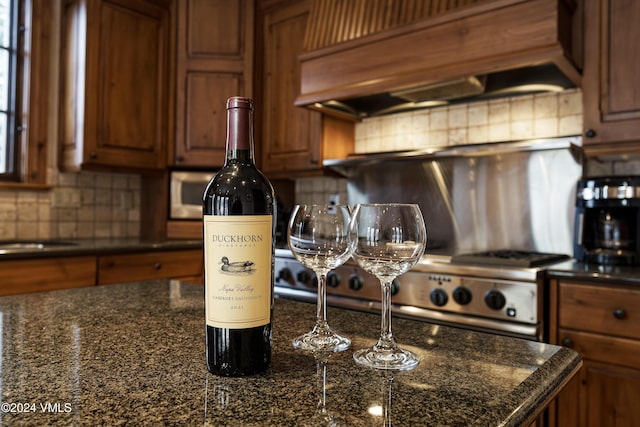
(371, 57)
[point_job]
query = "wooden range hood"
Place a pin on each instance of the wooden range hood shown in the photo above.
(360, 52)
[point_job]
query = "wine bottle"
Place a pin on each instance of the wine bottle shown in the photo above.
(239, 209)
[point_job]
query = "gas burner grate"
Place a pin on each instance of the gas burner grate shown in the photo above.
(509, 258)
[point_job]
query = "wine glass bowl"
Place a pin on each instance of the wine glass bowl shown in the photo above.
(318, 236)
(387, 240)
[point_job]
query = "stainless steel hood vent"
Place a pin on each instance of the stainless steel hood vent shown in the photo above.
(453, 89)
(346, 167)
(398, 55)
(521, 81)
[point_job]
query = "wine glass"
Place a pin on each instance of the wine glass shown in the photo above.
(319, 238)
(388, 239)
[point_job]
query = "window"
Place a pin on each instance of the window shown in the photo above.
(11, 32)
(26, 28)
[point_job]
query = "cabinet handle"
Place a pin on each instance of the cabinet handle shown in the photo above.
(93, 156)
(567, 342)
(619, 313)
(157, 266)
(590, 133)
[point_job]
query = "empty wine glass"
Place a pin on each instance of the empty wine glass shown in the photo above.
(319, 238)
(388, 239)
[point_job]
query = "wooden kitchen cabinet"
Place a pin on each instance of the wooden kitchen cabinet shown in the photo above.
(47, 274)
(115, 84)
(294, 140)
(214, 62)
(610, 86)
(184, 264)
(602, 323)
(21, 276)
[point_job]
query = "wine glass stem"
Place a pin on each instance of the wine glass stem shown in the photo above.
(386, 337)
(321, 314)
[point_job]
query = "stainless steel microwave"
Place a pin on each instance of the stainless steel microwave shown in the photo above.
(185, 193)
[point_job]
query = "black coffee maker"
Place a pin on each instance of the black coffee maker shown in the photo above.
(607, 226)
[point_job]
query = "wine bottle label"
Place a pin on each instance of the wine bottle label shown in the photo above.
(238, 270)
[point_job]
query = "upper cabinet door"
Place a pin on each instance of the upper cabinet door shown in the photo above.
(611, 91)
(291, 136)
(115, 90)
(215, 62)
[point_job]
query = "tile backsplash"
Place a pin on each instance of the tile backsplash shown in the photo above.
(79, 206)
(506, 119)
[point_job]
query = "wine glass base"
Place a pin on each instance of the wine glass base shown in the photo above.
(395, 359)
(321, 340)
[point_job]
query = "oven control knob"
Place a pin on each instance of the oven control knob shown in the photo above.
(395, 288)
(355, 282)
(438, 297)
(495, 300)
(462, 295)
(305, 277)
(286, 275)
(333, 279)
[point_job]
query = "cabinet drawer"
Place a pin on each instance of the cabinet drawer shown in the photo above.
(22, 276)
(149, 266)
(618, 351)
(608, 310)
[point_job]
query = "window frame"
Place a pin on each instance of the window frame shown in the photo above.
(30, 144)
(15, 51)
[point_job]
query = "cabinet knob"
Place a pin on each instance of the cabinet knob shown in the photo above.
(590, 133)
(567, 342)
(619, 313)
(157, 266)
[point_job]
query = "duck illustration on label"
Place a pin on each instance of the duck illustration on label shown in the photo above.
(236, 267)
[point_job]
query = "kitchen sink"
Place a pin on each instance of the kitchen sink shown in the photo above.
(33, 244)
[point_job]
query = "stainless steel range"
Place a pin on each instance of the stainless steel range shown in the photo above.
(475, 199)
(498, 291)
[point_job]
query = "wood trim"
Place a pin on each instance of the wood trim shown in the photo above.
(154, 198)
(184, 229)
(24, 186)
(38, 85)
(338, 137)
(613, 146)
(553, 311)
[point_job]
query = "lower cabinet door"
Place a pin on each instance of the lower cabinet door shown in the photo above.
(613, 396)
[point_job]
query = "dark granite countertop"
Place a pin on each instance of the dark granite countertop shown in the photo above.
(133, 354)
(71, 247)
